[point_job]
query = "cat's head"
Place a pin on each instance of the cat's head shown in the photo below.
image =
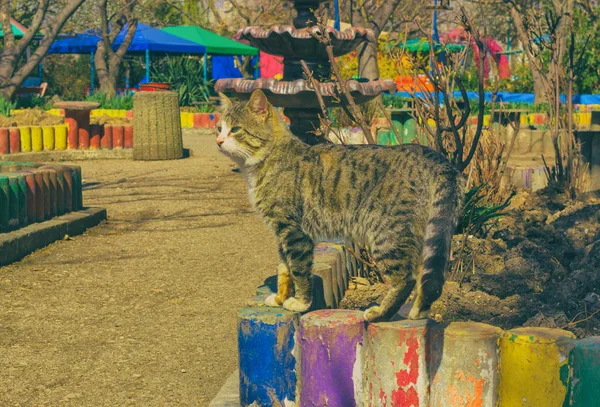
(246, 128)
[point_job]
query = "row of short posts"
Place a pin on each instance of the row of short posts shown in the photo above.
(62, 137)
(331, 357)
(31, 193)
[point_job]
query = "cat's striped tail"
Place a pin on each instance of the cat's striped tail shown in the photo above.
(446, 208)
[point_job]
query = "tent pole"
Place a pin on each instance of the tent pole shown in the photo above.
(147, 66)
(92, 63)
(205, 63)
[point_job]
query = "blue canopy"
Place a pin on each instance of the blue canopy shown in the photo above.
(151, 39)
(75, 44)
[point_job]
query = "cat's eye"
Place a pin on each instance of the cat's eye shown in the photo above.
(219, 129)
(235, 129)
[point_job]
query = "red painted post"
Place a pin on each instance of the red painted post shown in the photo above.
(95, 130)
(117, 136)
(14, 139)
(128, 136)
(83, 119)
(106, 139)
(197, 120)
(40, 198)
(4, 141)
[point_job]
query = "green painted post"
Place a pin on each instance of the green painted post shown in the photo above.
(585, 362)
(4, 210)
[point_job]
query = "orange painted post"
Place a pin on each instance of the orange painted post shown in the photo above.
(395, 370)
(73, 135)
(106, 138)
(15, 140)
(95, 131)
(197, 120)
(117, 136)
(464, 365)
(128, 136)
(4, 141)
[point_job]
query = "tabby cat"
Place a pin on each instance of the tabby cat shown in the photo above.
(401, 202)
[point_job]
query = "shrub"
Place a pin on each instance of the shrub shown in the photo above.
(186, 76)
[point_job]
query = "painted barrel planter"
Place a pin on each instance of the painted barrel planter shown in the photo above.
(37, 141)
(464, 365)
(534, 369)
(60, 137)
(266, 356)
(585, 364)
(4, 141)
(14, 139)
(95, 131)
(332, 358)
(106, 140)
(48, 138)
(25, 135)
(395, 371)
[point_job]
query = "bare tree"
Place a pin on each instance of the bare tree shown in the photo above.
(108, 62)
(44, 21)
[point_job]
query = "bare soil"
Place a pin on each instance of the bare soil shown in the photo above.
(141, 310)
(538, 266)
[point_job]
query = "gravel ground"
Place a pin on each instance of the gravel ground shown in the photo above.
(141, 310)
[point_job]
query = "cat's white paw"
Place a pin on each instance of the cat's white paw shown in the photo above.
(271, 302)
(373, 314)
(294, 304)
(416, 313)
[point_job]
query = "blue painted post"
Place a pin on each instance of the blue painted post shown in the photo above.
(92, 62)
(257, 67)
(147, 66)
(336, 6)
(204, 67)
(266, 353)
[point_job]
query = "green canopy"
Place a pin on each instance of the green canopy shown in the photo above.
(214, 43)
(17, 32)
(422, 45)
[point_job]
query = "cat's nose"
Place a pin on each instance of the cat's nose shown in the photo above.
(219, 142)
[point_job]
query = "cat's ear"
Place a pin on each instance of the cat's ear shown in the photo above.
(225, 102)
(258, 104)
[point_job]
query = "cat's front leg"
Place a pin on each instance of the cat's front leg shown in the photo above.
(284, 287)
(297, 248)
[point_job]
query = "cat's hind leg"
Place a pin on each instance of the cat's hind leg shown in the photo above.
(284, 287)
(400, 264)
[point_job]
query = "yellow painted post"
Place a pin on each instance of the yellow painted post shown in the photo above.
(25, 139)
(60, 136)
(37, 143)
(534, 370)
(48, 137)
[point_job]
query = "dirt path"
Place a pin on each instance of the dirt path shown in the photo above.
(140, 311)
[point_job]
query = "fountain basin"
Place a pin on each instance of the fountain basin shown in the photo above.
(299, 43)
(298, 94)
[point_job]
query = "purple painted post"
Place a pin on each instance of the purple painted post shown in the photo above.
(331, 363)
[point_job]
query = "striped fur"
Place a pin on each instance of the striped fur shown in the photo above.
(402, 202)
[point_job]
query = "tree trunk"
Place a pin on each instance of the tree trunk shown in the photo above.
(538, 87)
(107, 73)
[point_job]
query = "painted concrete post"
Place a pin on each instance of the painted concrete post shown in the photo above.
(37, 143)
(15, 139)
(60, 137)
(128, 136)
(77, 188)
(395, 370)
(48, 137)
(585, 365)
(4, 205)
(118, 136)
(106, 139)
(463, 365)
(95, 131)
(31, 194)
(331, 353)
(4, 141)
(534, 367)
(25, 135)
(267, 363)
(73, 133)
